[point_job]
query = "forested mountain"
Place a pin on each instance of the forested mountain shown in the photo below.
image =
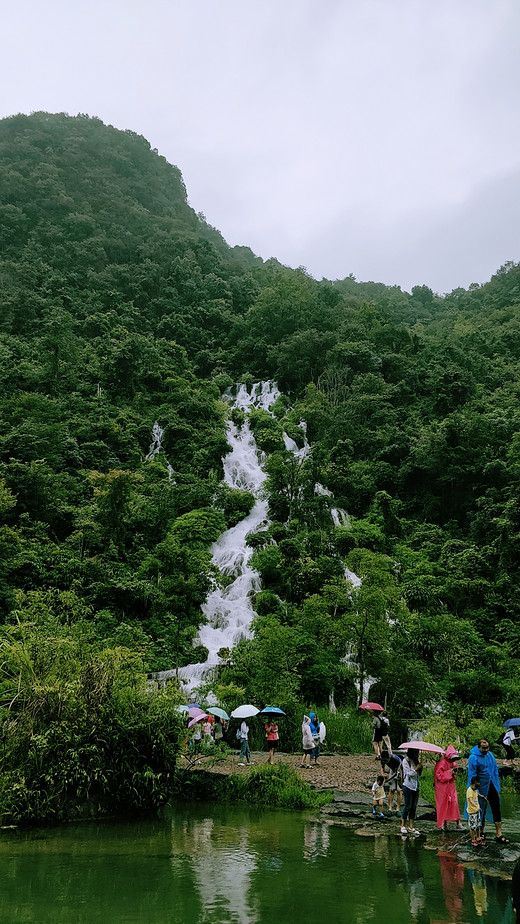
(122, 307)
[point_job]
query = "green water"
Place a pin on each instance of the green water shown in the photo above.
(201, 864)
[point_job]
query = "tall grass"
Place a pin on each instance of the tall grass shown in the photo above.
(277, 785)
(348, 732)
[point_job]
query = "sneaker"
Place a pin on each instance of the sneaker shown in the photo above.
(240, 764)
(404, 830)
(414, 831)
(374, 812)
(381, 814)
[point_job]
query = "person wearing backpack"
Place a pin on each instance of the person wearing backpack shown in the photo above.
(385, 728)
(507, 740)
(377, 737)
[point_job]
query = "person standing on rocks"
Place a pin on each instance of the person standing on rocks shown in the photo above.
(446, 801)
(483, 766)
(412, 769)
(515, 889)
(394, 779)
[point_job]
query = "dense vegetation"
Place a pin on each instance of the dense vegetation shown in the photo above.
(122, 307)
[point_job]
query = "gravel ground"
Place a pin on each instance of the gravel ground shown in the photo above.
(349, 773)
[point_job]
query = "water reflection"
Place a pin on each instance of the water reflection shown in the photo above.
(217, 864)
(452, 879)
(221, 865)
(316, 841)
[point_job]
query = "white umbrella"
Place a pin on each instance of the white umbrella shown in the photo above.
(244, 712)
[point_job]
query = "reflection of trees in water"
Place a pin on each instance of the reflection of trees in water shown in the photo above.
(245, 868)
(221, 866)
(315, 840)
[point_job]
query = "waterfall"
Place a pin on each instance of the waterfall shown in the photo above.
(156, 446)
(228, 610)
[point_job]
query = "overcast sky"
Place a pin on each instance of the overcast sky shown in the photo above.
(373, 137)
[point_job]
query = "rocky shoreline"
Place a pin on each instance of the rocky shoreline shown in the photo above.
(350, 778)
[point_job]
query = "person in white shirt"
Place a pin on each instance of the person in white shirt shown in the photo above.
(412, 769)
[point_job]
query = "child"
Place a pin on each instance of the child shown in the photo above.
(474, 811)
(378, 794)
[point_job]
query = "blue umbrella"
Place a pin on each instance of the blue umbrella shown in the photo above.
(272, 709)
(510, 723)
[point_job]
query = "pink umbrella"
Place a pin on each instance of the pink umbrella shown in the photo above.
(375, 706)
(198, 718)
(195, 711)
(421, 746)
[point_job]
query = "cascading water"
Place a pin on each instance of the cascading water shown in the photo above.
(228, 610)
(156, 446)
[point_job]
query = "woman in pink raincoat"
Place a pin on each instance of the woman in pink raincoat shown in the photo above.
(445, 791)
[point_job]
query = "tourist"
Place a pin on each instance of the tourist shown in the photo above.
(245, 753)
(307, 741)
(315, 729)
(196, 738)
(394, 779)
(483, 766)
(378, 795)
(515, 890)
(218, 730)
(377, 736)
(508, 740)
(385, 731)
(446, 801)
(207, 729)
(271, 734)
(412, 769)
(474, 811)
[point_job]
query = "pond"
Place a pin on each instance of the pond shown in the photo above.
(203, 863)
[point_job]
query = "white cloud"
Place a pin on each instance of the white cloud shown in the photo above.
(294, 122)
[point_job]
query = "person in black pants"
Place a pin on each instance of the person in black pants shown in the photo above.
(515, 890)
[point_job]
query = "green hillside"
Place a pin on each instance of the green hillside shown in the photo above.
(121, 307)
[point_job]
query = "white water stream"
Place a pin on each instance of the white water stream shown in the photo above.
(156, 447)
(228, 610)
